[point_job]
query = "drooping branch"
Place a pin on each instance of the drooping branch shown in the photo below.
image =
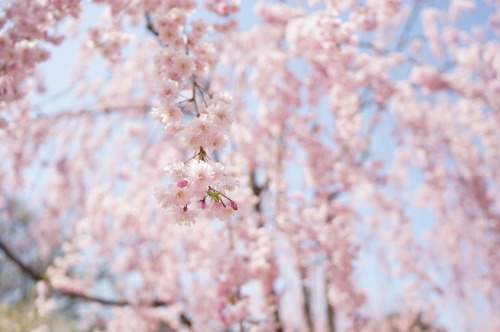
(36, 276)
(28, 270)
(140, 109)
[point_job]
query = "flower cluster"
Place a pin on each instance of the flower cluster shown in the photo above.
(24, 30)
(206, 129)
(202, 185)
(198, 122)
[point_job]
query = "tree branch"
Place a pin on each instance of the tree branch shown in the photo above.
(257, 190)
(30, 272)
(22, 266)
(139, 109)
(306, 293)
(149, 24)
(330, 310)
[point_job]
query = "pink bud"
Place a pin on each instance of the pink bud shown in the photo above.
(182, 183)
(234, 206)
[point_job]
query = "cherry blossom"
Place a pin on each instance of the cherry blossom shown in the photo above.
(225, 165)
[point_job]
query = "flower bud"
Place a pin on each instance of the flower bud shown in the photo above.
(182, 183)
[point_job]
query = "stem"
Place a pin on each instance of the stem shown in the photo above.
(193, 97)
(200, 89)
(149, 25)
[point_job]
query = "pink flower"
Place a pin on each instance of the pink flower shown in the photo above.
(221, 212)
(182, 65)
(168, 31)
(168, 89)
(185, 217)
(177, 197)
(176, 170)
(167, 114)
(429, 77)
(182, 183)
(220, 113)
(161, 197)
(201, 173)
(217, 141)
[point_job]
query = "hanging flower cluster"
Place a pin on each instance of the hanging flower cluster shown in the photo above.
(201, 185)
(198, 122)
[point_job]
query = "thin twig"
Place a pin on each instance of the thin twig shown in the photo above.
(95, 112)
(149, 24)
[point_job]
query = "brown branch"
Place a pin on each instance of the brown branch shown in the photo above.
(330, 310)
(30, 272)
(330, 317)
(81, 296)
(140, 109)
(306, 293)
(256, 190)
(21, 265)
(149, 24)
(277, 319)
